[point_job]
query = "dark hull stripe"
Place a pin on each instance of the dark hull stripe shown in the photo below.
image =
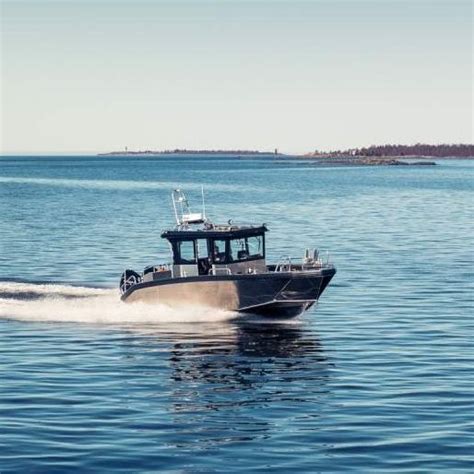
(327, 274)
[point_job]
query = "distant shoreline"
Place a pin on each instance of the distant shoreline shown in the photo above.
(190, 152)
(374, 154)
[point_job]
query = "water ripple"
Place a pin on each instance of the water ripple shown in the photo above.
(377, 378)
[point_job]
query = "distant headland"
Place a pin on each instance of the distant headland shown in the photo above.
(390, 155)
(420, 150)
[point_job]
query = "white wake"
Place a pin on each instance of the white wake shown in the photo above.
(64, 303)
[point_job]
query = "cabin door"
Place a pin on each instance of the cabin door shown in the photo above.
(202, 255)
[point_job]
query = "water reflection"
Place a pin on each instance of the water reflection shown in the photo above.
(244, 351)
(218, 383)
(256, 375)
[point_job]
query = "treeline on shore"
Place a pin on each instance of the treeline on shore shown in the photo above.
(420, 149)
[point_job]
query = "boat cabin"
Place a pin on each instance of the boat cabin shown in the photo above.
(217, 250)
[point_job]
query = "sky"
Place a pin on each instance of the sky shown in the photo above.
(94, 76)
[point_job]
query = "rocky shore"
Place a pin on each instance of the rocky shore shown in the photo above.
(362, 161)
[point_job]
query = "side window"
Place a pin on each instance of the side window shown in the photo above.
(202, 248)
(185, 252)
(239, 250)
(219, 251)
(255, 246)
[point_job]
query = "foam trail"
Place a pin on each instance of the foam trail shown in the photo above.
(112, 184)
(64, 303)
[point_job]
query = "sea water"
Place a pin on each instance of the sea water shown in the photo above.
(377, 378)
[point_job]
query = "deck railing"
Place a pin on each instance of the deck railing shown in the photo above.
(220, 270)
(286, 263)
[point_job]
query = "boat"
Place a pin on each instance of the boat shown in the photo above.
(224, 266)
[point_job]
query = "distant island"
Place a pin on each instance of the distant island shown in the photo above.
(184, 151)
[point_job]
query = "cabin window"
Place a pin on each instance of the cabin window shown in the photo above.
(184, 252)
(219, 251)
(202, 251)
(246, 248)
(239, 250)
(255, 246)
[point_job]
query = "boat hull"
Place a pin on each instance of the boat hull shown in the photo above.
(272, 294)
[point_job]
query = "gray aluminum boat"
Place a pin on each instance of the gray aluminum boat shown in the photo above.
(224, 267)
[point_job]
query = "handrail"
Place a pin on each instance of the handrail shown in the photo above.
(215, 270)
(283, 265)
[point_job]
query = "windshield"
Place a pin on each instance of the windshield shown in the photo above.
(246, 248)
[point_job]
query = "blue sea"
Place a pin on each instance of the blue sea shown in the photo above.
(378, 378)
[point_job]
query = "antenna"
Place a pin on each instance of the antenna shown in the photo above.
(182, 211)
(177, 196)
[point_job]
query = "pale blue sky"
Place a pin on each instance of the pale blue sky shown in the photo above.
(89, 76)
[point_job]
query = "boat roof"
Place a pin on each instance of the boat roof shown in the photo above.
(214, 231)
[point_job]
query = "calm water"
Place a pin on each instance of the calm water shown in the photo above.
(378, 378)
